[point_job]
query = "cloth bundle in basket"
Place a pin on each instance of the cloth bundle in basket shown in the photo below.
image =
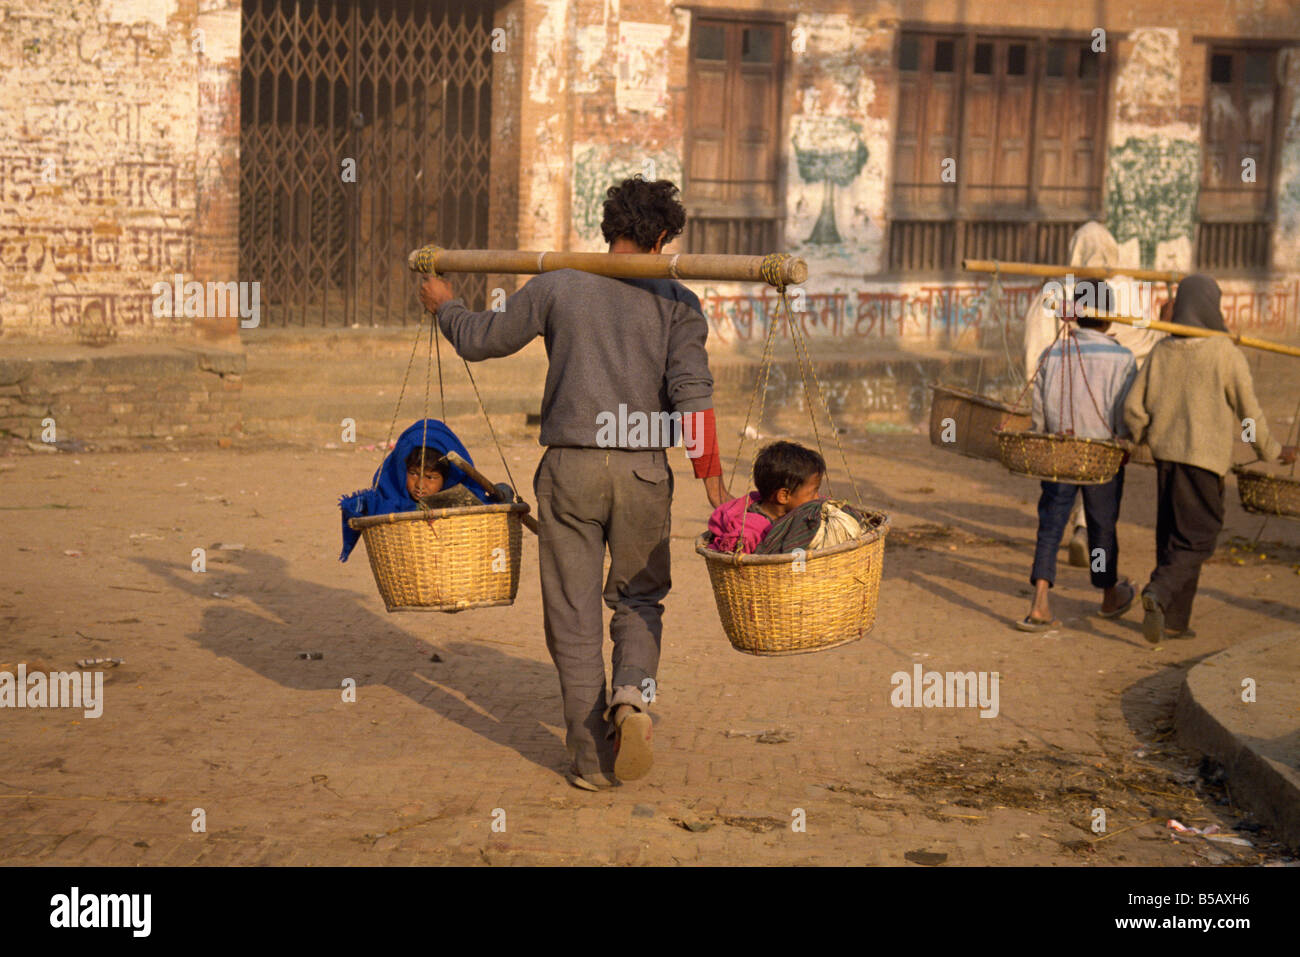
(1268, 494)
(799, 602)
(447, 559)
(1061, 458)
(974, 419)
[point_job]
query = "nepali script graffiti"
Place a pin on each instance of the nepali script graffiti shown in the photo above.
(864, 314)
(930, 311)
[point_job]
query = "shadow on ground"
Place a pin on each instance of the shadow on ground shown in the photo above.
(492, 693)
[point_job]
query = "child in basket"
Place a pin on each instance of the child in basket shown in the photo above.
(784, 512)
(1080, 387)
(412, 477)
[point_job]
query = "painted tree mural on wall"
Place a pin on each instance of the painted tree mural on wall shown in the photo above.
(829, 150)
(597, 168)
(1152, 192)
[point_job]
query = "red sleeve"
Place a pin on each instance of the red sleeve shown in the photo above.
(700, 436)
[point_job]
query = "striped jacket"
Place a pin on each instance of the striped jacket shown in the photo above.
(1083, 390)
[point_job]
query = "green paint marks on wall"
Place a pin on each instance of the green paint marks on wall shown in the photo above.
(1152, 192)
(597, 168)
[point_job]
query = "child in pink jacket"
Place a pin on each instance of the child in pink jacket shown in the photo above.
(787, 475)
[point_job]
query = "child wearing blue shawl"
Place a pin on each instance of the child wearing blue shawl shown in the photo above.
(401, 478)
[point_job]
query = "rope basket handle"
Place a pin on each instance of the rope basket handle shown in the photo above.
(423, 260)
(771, 270)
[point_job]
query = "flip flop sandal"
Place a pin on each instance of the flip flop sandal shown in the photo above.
(595, 782)
(633, 754)
(1185, 633)
(1153, 622)
(1132, 596)
(1030, 623)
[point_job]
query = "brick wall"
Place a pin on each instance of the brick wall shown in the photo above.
(131, 393)
(119, 121)
(603, 90)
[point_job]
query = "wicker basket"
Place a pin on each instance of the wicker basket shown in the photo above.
(445, 559)
(1268, 494)
(1061, 458)
(768, 606)
(975, 417)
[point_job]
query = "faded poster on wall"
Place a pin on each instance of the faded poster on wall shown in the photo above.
(642, 83)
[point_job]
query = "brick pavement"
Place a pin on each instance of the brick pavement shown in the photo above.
(212, 709)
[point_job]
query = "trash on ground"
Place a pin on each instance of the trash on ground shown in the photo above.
(1229, 839)
(97, 662)
(926, 858)
(776, 734)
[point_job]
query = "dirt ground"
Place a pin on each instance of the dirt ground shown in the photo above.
(453, 749)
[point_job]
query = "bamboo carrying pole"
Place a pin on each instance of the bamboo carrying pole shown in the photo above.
(1181, 330)
(489, 486)
(790, 270)
(1079, 272)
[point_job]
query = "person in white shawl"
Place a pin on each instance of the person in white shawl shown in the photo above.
(1091, 245)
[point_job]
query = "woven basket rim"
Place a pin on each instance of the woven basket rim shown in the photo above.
(978, 399)
(370, 521)
(1245, 471)
(876, 533)
(1120, 445)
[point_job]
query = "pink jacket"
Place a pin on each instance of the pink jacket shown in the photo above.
(725, 524)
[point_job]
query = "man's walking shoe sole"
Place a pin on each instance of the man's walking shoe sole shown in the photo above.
(1153, 622)
(634, 755)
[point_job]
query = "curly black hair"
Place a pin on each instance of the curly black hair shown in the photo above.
(639, 210)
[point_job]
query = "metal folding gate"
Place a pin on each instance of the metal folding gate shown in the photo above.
(365, 132)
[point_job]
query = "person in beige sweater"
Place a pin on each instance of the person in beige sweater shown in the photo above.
(1189, 403)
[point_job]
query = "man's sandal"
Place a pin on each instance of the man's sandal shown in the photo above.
(1132, 595)
(593, 781)
(1030, 623)
(633, 754)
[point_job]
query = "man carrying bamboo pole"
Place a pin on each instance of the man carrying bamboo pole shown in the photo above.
(626, 357)
(1091, 245)
(1189, 404)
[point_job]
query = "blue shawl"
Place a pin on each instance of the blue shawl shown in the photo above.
(389, 493)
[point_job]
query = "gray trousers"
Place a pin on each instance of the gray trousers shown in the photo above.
(587, 500)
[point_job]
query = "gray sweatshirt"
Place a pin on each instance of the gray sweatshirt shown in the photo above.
(611, 344)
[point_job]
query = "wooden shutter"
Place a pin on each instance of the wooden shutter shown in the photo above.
(997, 110)
(927, 124)
(732, 168)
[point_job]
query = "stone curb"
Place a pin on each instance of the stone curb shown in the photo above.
(1257, 743)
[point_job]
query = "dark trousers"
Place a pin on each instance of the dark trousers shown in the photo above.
(1101, 507)
(587, 500)
(1189, 517)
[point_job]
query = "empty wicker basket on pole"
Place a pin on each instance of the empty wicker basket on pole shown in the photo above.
(1061, 458)
(1267, 494)
(974, 418)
